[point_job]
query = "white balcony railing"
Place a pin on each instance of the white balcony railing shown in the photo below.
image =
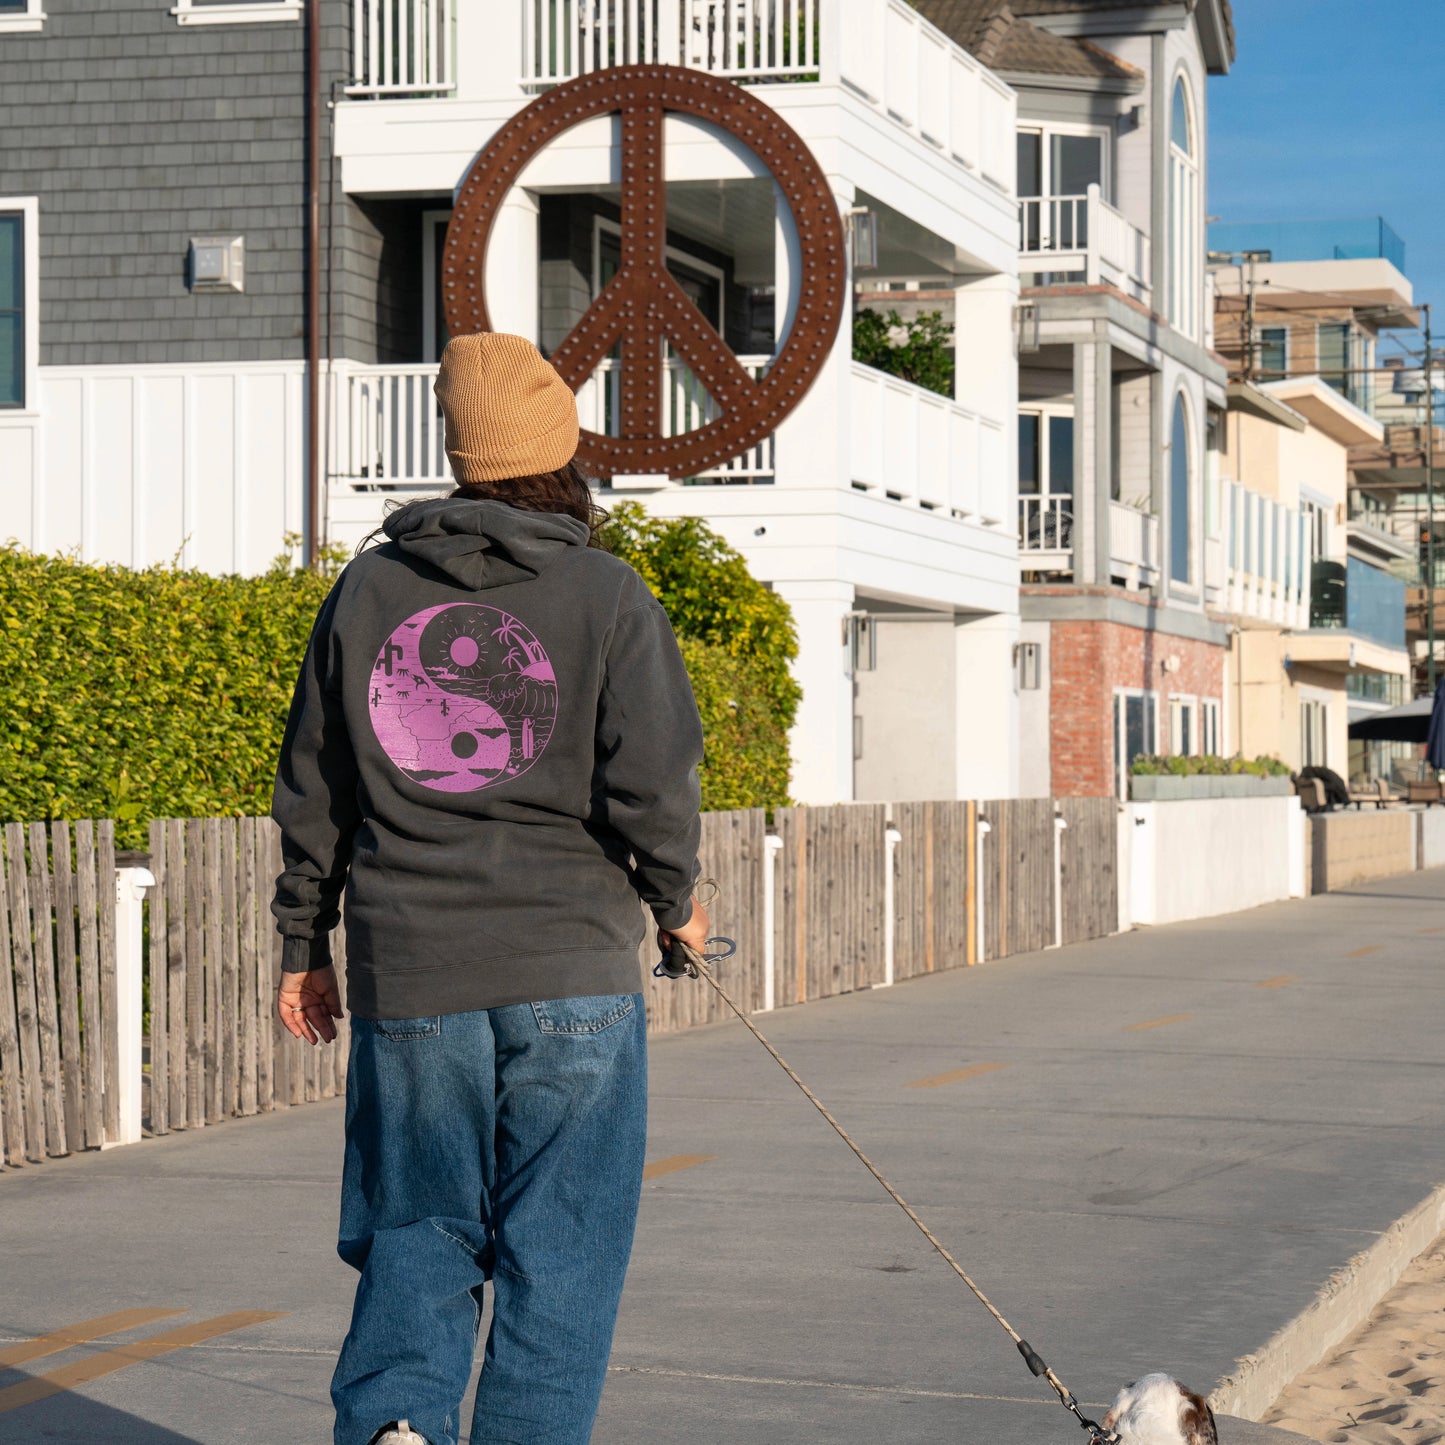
(744, 39)
(881, 51)
(1266, 560)
(1046, 539)
(915, 446)
(387, 427)
(1085, 235)
(1133, 545)
(686, 406)
(401, 48)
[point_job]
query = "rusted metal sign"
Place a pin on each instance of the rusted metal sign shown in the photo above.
(643, 306)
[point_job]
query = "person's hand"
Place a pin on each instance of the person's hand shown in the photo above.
(307, 1003)
(694, 932)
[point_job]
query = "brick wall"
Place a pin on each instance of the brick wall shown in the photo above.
(137, 133)
(1088, 660)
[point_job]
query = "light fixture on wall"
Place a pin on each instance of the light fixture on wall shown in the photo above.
(860, 643)
(863, 238)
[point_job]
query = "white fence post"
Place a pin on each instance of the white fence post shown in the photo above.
(891, 839)
(981, 942)
(130, 886)
(773, 846)
(1060, 823)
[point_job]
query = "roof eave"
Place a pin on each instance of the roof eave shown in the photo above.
(1088, 84)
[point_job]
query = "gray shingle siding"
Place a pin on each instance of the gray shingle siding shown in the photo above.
(137, 133)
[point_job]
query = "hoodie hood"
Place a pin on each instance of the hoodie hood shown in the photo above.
(483, 543)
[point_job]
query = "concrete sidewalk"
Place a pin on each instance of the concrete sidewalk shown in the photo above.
(1185, 1133)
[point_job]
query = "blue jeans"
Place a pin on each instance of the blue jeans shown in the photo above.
(504, 1144)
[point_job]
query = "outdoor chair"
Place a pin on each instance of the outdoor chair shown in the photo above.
(1424, 790)
(1373, 790)
(1311, 791)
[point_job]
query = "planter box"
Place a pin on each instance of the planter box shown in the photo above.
(1165, 788)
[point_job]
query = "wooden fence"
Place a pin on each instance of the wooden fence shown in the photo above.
(969, 882)
(58, 1064)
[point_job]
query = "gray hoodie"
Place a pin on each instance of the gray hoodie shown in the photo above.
(493, 748)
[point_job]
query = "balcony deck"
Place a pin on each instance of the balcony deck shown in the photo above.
(1086, 237)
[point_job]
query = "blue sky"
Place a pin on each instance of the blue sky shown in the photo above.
(1336, 108)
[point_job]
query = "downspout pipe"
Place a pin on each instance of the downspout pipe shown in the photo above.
(313, 283)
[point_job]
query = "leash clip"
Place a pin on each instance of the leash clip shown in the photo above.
(670, 966)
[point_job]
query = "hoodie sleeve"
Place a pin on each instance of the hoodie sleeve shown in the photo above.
(649, 745)
(315, 804)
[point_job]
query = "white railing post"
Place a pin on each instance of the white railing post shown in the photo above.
(130, 891)
(891, 839)
(980, 949)
(1093, 219)
(772, 846)
(1060, 823)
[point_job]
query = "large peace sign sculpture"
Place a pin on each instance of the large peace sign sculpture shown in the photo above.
(643, 305)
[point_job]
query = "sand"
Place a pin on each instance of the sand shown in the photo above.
(1385, 1385)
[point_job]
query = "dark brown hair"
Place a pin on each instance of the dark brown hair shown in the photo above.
(567, 490)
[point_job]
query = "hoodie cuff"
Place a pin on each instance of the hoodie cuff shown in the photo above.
(673, 916)
(303, 955)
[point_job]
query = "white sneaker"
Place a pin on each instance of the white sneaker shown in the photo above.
(397, 1433)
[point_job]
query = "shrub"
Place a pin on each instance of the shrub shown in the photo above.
(163, 693)
(711, 597)
(920, 351)
(1208, 764)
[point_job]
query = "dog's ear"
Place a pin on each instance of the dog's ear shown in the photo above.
(1197, 1421)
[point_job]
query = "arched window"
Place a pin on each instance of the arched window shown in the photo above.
(1180, 492)
(1184, 239)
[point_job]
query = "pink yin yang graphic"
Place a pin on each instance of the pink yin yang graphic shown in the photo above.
(463, 696)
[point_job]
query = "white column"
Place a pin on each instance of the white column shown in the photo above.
(512, 266)
(822, 737)
(130, 887)
(813, 441)
(986, 377)
(787, 266)
(987, 708)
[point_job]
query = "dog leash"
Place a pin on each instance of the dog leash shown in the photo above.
(698, 965)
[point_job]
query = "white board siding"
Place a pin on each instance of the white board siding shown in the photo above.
(198, 464)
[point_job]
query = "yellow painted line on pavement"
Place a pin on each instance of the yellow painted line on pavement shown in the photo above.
(82, 1372)
(1278, 982)
(1362, 952)
(1157, 1023)
(957, 1076)
(79, 1334)
(1432, 930)
(675, 1162)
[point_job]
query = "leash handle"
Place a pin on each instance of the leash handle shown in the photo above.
(688, 966)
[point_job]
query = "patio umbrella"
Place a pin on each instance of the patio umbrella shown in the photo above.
(1409, 723)
(1435, 739)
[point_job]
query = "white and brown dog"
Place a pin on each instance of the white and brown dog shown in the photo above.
(1158, 1410)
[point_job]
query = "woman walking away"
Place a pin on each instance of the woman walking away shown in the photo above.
(493, 750)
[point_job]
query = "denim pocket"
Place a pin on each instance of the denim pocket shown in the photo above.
(399, 1029)
(583, 1015)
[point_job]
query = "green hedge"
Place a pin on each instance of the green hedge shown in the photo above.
(1206, 765)
(163, 693)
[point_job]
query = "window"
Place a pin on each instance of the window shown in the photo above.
(1332, 355)
(20, 15)
(1184, 726)
(1059, 164)
(1180, 494)
(1135, 731)
(1185, 243)
(235, 12)
(1210, 743)
(19, 330)
(1046, 453)
(1316, 520)
(1312, 717)
(1272, 356)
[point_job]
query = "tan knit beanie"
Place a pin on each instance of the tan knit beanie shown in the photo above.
(507, 412)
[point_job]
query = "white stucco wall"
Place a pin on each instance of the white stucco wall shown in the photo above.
(1200, 858)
